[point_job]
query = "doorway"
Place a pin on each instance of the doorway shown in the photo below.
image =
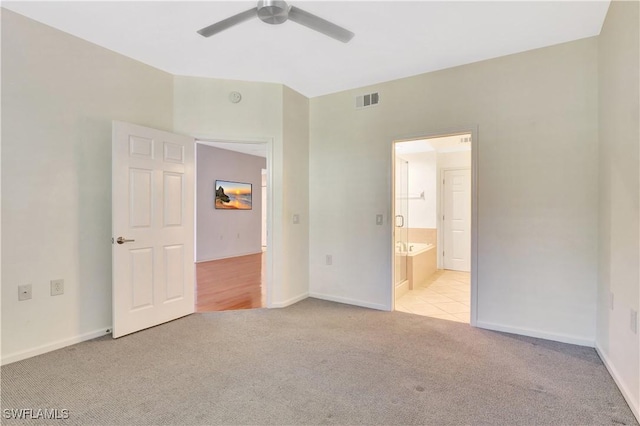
(154, 211)
(433, 233)
(232, 204)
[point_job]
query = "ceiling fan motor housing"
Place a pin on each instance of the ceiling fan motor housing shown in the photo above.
(273, 11)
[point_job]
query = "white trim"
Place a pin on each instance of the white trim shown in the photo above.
(475, 172)
(475, 148)
(634, 405)
(231, 256)
(347, 301)
(39, 350)
(557, 337)
(290, 301)
(203, 138)
(392, 245)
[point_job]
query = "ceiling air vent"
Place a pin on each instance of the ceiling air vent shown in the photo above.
(368, 100)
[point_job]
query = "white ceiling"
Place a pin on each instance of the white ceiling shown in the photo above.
(257, 149)
(393, 39)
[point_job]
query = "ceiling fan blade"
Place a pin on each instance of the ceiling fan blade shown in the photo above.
(318, 24)
(228, 23)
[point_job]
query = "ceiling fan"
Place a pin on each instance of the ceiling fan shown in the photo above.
(276, 12)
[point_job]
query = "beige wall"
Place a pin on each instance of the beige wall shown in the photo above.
(536, 114)
(59, 96)
(202, 109)
(619, 164)
(223, 233)
(296, 195)
(537, 117)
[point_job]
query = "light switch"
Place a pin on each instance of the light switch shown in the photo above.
(379, 219)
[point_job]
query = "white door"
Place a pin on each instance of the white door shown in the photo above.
(457, 220)
(152, 211)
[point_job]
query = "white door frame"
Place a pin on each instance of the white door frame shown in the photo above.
(200, 139)
(475, 145)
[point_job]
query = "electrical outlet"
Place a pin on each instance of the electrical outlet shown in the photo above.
(379, 218)
(24, 292)
(57, 287)
(329, 259)
(633, 323)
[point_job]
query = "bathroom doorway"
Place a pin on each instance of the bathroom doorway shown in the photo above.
(433, 192)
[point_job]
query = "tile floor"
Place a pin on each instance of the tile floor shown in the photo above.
(445, 295)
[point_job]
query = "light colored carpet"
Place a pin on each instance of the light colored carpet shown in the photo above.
(318, 362)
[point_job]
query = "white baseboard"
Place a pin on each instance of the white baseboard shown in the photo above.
(230, 256)
(348, 301)
(19, 356)
(624, 389)
(557, 337)
(290, 301)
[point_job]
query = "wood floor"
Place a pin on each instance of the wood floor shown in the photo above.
(229, 284)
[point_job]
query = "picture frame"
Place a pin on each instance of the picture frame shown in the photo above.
(230, 195)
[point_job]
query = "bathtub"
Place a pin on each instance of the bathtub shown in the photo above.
(421, 263)
(414, 249)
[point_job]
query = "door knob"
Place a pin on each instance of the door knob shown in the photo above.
(122, 240)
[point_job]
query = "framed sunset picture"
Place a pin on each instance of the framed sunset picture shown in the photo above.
(232, 195)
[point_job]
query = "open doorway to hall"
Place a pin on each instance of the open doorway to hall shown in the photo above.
(231, 208)
(432, 229)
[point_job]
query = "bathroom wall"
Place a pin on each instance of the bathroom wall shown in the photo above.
(424, 235)
(454, 160)
(422, 178)
(425, 173)
(227, 233)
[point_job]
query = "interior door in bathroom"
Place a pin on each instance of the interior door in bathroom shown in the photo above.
(457, 220)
